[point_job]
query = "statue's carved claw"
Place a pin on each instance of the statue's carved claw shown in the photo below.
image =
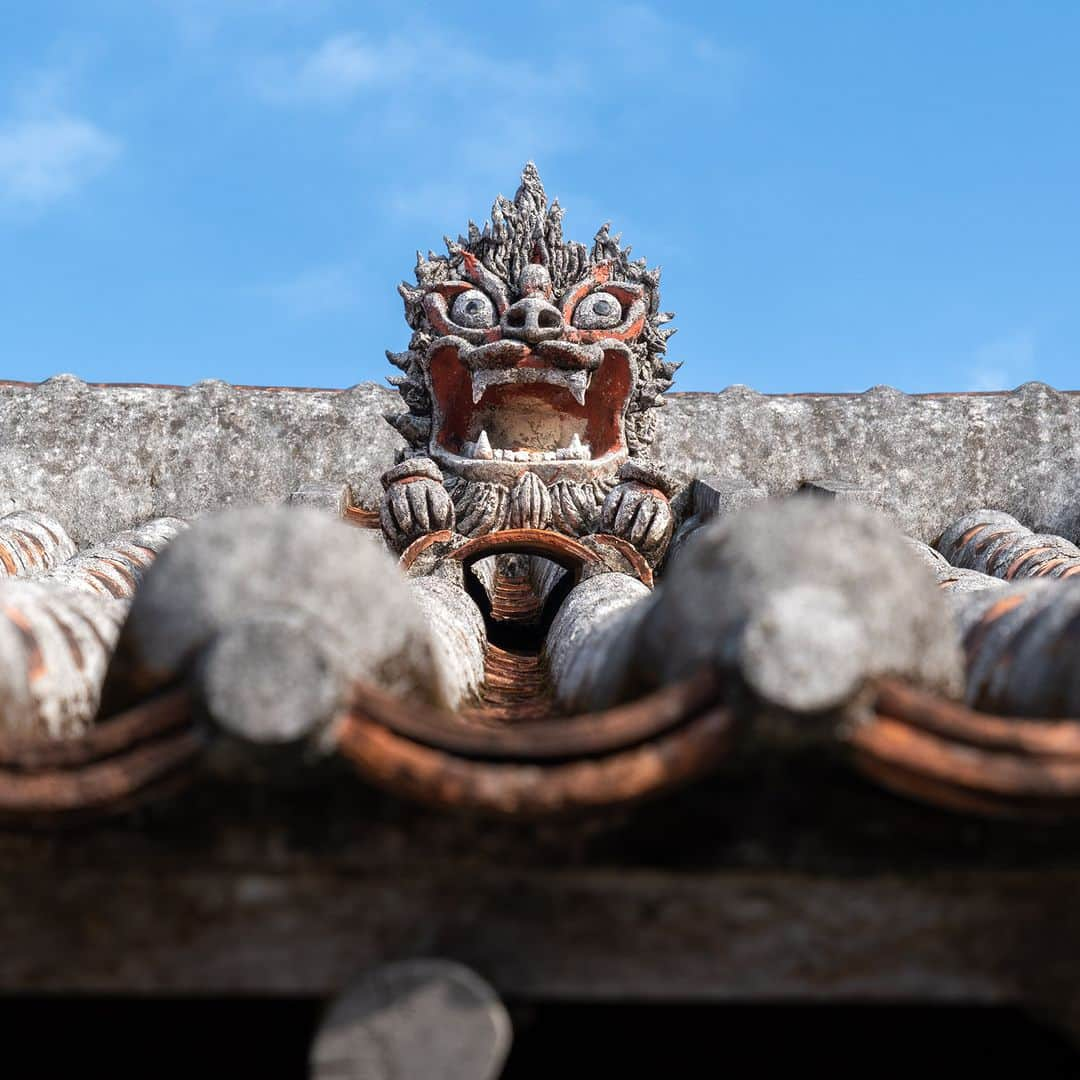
(641, 515)
(415, 502)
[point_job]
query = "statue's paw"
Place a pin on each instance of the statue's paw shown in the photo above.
(412, 508)
(640, 515)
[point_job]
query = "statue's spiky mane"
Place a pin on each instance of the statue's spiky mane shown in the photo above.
(522, 231)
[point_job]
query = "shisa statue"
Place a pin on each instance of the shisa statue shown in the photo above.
(531, 382)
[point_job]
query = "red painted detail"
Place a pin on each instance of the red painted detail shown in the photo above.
(629, 329)
(451, 384)
(605, 401)
(449, 289)
(574, 295)
(641, 569)
(435, 309)
(421, 544)
(434, 304)
(480, 275)
(626, 292)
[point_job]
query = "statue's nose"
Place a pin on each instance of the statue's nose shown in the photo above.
(532, 319)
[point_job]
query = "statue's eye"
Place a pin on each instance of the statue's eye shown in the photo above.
(474, 310)
(598, 311)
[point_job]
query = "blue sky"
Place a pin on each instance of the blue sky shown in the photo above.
(840, 194)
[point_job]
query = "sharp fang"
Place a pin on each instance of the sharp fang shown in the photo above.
(576, 451)
(482, 449)
(481, 380)
(577, 382)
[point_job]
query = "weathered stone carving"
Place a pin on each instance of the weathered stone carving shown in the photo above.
(531, 382)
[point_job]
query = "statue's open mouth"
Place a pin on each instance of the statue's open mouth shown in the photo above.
(557, 407)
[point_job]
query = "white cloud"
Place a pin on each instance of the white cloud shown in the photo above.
(200, 21)
(47, 151)
(427, 70)
(320, 290)
(334, 72)
(1003, 364)
(426, 87)
(461, 113)
(426, 64)
(46, 159)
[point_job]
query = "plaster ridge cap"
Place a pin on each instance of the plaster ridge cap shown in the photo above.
(1032, 386)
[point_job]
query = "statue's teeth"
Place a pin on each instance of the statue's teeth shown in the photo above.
(481, 380)
(577, 382)
(482, 449)
(576, 451)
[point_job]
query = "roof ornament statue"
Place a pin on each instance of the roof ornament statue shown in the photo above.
(531, 384)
